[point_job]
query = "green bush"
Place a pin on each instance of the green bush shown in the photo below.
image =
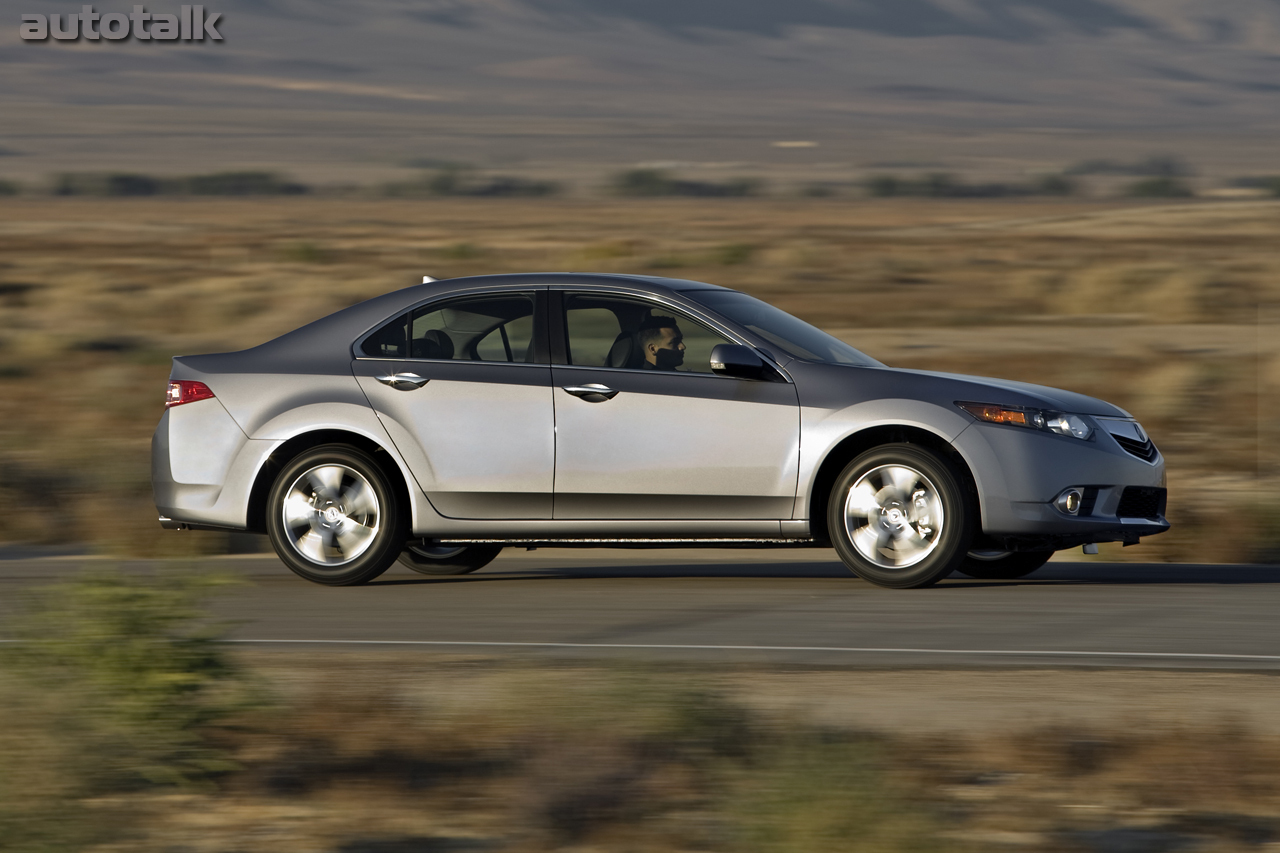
(242, 184)
(1157, 166)
(655, 182)
(116, 184)
(113, 684)
(8, 188)
(824, 794)
(460, 182)
(1270, 183)
(943, 185)
(123, 184)
(1159, 188)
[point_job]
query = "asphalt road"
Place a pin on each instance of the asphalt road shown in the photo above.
(797, 607)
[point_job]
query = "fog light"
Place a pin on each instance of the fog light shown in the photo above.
(1069, 501)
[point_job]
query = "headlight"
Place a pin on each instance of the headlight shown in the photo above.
(1058, 422)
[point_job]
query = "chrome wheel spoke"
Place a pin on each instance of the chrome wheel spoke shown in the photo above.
(298, 510)
(352, 537)
(326, 481)
(331, 515)
(901, 480)
(862, 502)
(359, 500)
(870, 539)
(893, 516)
(311, 546)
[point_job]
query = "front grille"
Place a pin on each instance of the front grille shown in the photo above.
(1142, 502)
(1145, 450)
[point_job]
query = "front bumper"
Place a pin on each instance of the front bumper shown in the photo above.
(1019, 472)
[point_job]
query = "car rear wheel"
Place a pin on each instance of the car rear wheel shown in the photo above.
(1003, 565)
(899, 516)
(334, 517)
(435, 559)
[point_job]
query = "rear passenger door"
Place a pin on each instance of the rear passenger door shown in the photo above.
(463, 387)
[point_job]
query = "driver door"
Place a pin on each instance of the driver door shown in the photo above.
(676, 443)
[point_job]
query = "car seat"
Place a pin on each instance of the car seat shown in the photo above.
(624, 352)
(435, 343)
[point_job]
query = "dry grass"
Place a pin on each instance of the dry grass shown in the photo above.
(595, 758)
(1167, 311)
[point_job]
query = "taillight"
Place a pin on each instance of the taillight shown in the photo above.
(186, 391)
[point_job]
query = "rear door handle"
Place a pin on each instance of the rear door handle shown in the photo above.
(403, 381)
(593, 393)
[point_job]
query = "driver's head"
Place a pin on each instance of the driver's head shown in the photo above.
(661, 342)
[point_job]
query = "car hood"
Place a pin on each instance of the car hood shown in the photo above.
(835, 386)
(982, 389)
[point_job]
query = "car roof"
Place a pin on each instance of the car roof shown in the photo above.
(571, 278)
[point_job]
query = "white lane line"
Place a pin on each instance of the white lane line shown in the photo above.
(678, 646)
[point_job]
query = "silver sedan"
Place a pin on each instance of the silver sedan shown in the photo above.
(440, 423)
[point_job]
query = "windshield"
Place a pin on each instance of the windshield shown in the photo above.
(793, 336)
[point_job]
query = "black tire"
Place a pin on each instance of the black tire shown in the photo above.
(931, 549)
(1015, 564)
(366, 508)
(441, 560)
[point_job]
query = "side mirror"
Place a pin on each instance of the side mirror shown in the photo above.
(738, 361)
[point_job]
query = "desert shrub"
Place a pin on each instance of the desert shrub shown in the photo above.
(1269, 183)
(117, 184)
(1163, 187)
(1059, 185)
(113, 684)
(306, 252)
(824, 794)
(121, 184)
(242, 184)
(655, 182)
(1156, 166)
(8, 188)
(944, 185)
(461, 182)
(732, 254)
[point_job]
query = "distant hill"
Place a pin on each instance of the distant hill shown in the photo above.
(355, 89)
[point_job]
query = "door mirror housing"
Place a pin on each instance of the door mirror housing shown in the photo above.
(738, 361)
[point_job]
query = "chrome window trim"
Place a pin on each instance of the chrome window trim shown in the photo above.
(358, 354)
(698, 313)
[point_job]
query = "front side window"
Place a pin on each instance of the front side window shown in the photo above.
(633, 334)
(496, 328)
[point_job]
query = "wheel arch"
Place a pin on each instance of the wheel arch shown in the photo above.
(853, 445)
(256, 512)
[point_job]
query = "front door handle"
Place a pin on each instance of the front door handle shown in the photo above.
(593, 393)
(403, 381)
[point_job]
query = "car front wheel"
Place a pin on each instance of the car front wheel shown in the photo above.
(334, 518)
(435, 559)
(900, 517)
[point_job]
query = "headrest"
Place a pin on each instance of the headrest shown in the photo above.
(434, 344)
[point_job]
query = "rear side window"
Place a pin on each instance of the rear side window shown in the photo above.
(391, 341)
(493, 328)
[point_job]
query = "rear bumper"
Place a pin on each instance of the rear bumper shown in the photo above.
(203, 470)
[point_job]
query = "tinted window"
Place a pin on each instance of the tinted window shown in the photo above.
(616, 332)
(485, 328)
(790, 334)
(391, 341)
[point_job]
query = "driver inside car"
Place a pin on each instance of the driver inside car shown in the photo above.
(661, 343)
